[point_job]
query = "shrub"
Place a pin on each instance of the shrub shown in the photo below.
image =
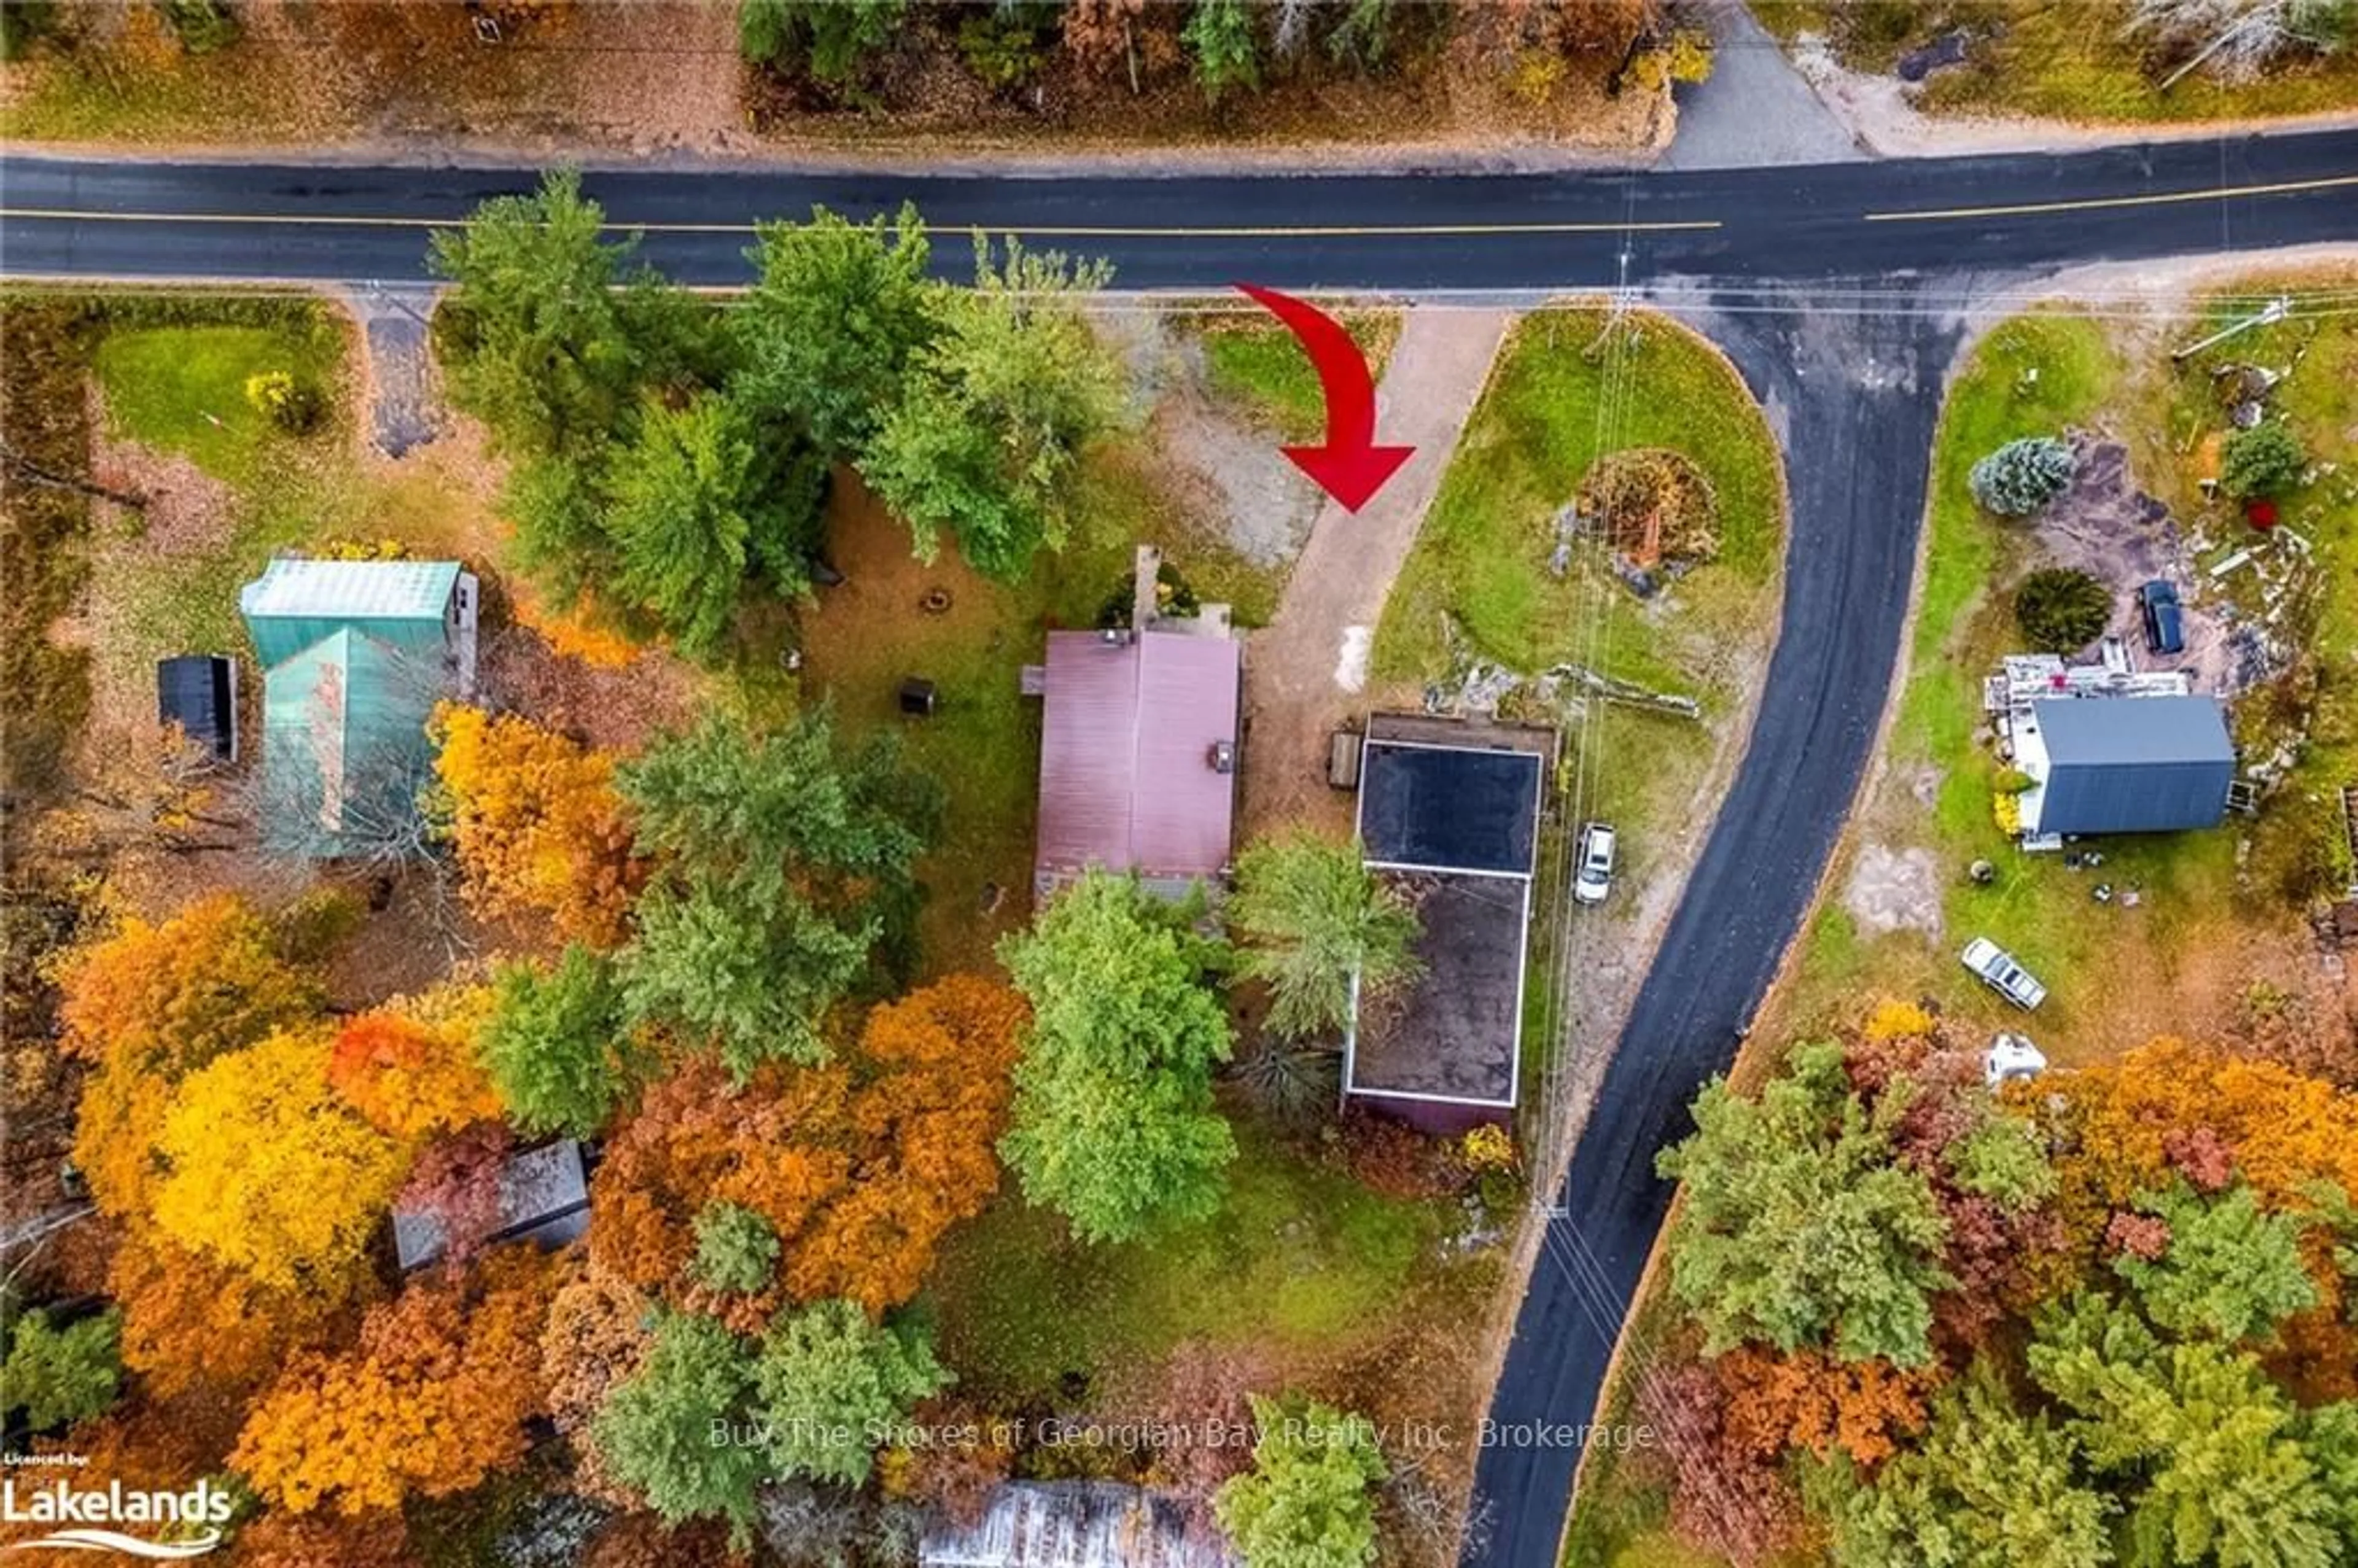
(2266, 460)
(2060, 609)
(202, 26)
(293, 406)
(2022, 476)
(60, 1376)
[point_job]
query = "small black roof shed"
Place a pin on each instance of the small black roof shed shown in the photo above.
(2134, 764)
(199, 693)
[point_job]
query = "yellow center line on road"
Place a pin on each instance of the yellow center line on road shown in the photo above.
(1061, 231)
(2097, 203)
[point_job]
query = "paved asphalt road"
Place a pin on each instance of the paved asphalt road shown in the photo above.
(1390, 231)
(1831, 286)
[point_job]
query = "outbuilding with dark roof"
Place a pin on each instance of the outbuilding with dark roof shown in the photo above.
(2130, 765)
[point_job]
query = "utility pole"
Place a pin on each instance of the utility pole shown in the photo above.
(2274, 312)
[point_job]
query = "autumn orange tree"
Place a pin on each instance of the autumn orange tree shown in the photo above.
(858, 1167)
(271, 1173)
(189, 1320)
(155, 1003)
(410, 1065)
(536, 823)
(433, 1400)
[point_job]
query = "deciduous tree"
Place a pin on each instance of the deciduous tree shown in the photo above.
(859, 1169)
(1308, 1501)
(537, 827)
(433, 1399)
(1315, 919)
(271, 1173)
(1114, 1125)
(153, 1002)
(190, 1321)
(410, 1065)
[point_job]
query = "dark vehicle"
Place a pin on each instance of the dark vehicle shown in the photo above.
(2158, 601)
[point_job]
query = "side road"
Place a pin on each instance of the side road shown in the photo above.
(1302, 672)
(1858, 394)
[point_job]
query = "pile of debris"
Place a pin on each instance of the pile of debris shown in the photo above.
(1653, 510)
(1476, 687)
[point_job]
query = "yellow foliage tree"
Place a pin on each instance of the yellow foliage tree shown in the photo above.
(151, 1004)
(433, 1399)
(410, 1066)
(271, 1173)
(536, 823)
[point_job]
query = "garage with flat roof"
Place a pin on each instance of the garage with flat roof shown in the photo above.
(1449, 811)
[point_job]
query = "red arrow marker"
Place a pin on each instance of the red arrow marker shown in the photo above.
(1350, 467)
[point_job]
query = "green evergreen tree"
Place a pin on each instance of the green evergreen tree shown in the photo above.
(58, 1377)
(737, 1248)
(829, 40)
(829, 1382)
(678, 1433)
(2208, 1452)
(703, 505)
(782, 863)
(829, 331)
(986, 440)
(2022, 476)
(2266, 459)
(555, 1047)
(2231, 1270)
(1986, 1487)
(1308, 1501)
(1799, 1229)
(550, 334)
(1223, 40)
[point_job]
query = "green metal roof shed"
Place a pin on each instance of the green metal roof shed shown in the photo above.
(354, 656)
(344, 750)
(294, 604)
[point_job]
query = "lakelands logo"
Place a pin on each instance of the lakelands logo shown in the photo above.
(188, 1521)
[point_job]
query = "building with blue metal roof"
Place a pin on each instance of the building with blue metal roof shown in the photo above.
(2125, 764)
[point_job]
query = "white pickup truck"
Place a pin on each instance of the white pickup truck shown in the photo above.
(1996, 970)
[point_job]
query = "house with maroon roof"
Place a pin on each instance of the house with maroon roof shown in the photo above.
(1138, 746)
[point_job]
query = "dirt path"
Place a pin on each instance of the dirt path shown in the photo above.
(1303, 674)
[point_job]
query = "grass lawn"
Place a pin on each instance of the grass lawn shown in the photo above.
(1561, 396)
(1301, 1259)
(1257, 364)
(2066, 62)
